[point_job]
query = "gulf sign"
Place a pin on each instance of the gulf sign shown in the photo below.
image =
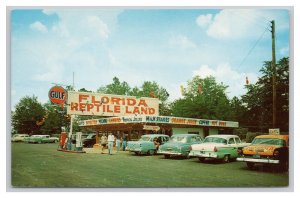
(85, 103)
(57, 95)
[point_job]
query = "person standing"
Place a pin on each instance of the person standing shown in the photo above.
(110, 139)
(103, 142)
(124, 143)
(118, 144)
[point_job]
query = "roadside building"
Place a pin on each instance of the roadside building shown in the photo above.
(136, 126)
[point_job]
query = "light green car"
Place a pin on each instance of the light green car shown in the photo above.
(19, 137)
(146, 145)
(219, 147)
(40, 139)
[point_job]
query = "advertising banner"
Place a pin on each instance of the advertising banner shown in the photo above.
(159, 120)
(85, 103)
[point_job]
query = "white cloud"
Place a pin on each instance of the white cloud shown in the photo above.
(38, 26)
(96, 24)
(182, 42)
(241, 23)
(76, 43)
(204, 20)
(87, 25)
(225, 74)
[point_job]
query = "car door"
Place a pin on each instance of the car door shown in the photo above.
(232, 147)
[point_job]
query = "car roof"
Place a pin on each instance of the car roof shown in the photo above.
(285, 137)
(185, 135)
(223, 136)
(155, 135)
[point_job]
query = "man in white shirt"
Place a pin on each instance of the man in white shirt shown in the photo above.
(110, 139)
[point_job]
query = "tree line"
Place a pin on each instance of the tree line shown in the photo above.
(203, 98)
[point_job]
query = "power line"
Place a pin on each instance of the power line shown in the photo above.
(249, 52)
(252, 19)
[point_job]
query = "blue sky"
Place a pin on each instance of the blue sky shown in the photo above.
(168, 46)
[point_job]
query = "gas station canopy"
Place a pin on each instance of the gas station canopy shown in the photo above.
(141, 122)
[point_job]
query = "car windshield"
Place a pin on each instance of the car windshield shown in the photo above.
(215, 140)
(181, 139)
(90, 136)
(269, 141)
(145, 138)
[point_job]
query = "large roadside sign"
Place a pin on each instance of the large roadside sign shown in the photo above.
(86, 103)
(57, 95)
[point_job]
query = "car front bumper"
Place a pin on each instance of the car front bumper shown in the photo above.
(254, 160)
(203, 154)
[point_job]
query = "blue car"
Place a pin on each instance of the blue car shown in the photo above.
(179, 145)
(147, 144)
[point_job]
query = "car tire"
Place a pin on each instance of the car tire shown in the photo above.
(186, 156)
(151, 152)
(250, 165)
(226, 159)
(201, 159)
(283, 166)
(167, 156)
(233, 159)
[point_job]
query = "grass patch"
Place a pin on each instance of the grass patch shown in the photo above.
(41, 165)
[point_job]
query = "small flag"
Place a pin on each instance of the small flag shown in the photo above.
(200, 89)
(152, 94)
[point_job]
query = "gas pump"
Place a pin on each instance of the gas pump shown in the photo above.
(79, 141)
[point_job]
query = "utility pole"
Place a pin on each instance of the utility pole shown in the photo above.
(274, 73)
(73, 82)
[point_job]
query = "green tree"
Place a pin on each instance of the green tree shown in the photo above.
(148, 89)
(84, 90)
(27, 115)
(55, 118)
(152, 89)
(116, 87)
(239, 110)
(203, 98)
(259, 98)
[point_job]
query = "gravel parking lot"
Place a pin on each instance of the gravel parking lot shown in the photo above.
(41, 165)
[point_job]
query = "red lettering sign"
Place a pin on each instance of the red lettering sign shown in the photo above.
(57, 95)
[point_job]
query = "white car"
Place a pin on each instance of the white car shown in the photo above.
(19, 137)
(223, 147)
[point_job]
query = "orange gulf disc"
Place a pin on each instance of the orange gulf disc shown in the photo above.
(57, 95)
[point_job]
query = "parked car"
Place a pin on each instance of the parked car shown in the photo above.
(55, 139)
(89, 141)
(221, 147)
(40, 139)
(179, 145)
(267, 149)
(19, 137)
(146, 144)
